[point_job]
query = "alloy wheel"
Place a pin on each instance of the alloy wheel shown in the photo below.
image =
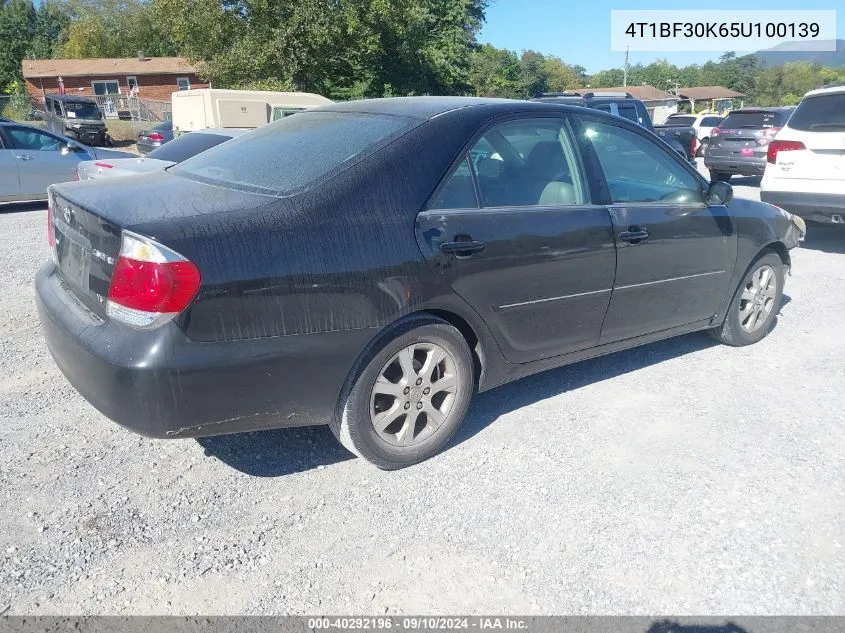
(758, 299)
(413, 394)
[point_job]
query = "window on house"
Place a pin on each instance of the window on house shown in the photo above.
(108, 87)
(132, 83)
(183, 83)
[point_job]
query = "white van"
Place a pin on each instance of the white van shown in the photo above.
(206, 108)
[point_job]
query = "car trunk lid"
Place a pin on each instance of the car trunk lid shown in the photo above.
(88, 218)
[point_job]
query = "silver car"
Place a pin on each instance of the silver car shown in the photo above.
(32, 159)
(170, 153)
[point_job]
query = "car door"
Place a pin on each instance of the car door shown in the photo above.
(512, 230)
(41, 159)
(674, 254)
(10, 187)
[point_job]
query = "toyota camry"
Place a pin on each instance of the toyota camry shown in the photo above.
(371, 265)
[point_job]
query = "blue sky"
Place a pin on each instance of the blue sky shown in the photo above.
(578, 31)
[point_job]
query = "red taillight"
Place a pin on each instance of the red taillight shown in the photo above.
(782, 146)
(715, 132)
(155, 136)
(693, 146)
(150, 283)
(51, 231)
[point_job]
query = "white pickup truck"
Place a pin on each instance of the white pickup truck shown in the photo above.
(703, 124)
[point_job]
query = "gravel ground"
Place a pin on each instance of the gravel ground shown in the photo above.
(683, 477)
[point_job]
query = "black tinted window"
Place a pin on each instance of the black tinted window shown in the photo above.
(711, 121)
(681, 120)
(77, 110)
(752, 120)
(458, 192)
(629, 111)
(187, 145)
(824, 112)
(294, 152)
(639, 170)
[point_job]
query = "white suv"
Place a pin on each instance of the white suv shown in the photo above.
(703, 124)
(805, 168)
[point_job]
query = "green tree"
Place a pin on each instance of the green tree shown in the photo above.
(495, 72)
(17, 27)
(609, 78)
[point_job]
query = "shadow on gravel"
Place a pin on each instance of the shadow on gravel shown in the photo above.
(667, 626)
(825, 237)
(276, 453)
(20, 207)
(489, 406)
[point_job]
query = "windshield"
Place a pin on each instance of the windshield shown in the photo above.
(680, 120)
(81, 110)
(752, 120)
(821, 113)
(186, 146)
(294, 152)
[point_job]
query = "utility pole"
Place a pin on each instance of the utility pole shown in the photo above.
(625, 69)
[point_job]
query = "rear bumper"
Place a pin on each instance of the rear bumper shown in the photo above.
(739, 165)
(818, 207)
(161, 384)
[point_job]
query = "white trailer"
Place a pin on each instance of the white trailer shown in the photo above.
(213, 108)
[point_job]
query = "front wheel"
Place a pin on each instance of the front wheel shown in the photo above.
(755, 304)
(409, 395)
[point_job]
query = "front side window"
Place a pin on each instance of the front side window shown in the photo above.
(31, 140)
(528, 162)
(295, 152)
(639, 170)
(57, 108)
(629, 111)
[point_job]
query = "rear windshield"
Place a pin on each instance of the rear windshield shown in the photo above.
(680, 120)
(294, 152)
(187, 145)
(77, 110)
(752, 120)
(817, 114)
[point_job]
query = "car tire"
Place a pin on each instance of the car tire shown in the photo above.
(756, 302)
(702, 147)
(393, 411)
(719, 176)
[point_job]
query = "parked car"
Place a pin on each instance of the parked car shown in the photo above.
(77, 117)
(738, 145)
(31, 159)
(163, 157)
(805, 171)
(703, 125)
(148, 140)
(371, 264)
(625, 105)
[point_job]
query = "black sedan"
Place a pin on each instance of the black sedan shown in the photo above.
(370, 265)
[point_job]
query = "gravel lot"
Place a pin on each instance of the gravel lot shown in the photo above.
(682, 478)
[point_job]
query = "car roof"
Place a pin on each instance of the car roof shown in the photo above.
(828, 90)
(761, 109)
(428, 107)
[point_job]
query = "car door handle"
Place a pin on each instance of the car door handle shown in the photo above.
(462, 248)
(23, 157)
(634, 235)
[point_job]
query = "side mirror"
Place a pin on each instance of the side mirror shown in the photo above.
(719, 193)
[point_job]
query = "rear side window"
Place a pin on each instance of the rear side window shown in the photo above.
(629, 111)
(458, 192)
(710, 121)
(752, 120)
(295, 152)
(820, 114)
(528, 162)
(186, 146)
